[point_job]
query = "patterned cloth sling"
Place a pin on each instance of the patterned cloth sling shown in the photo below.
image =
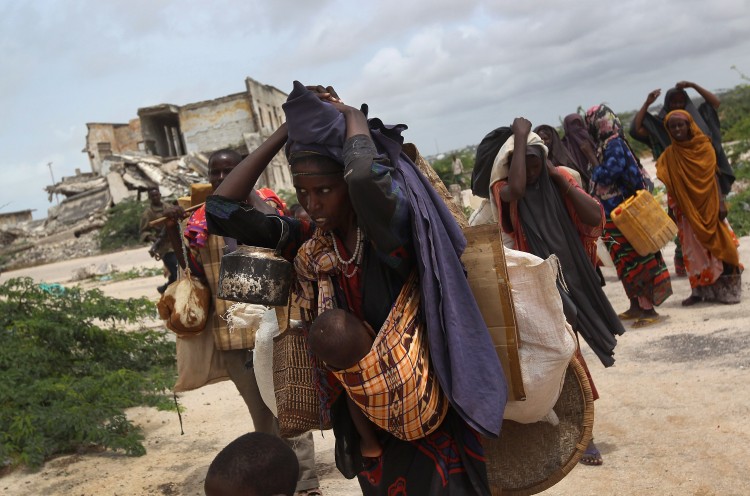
(394, 384)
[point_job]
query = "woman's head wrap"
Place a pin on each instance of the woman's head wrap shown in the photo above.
(486, 153)
(603, 124)
(557, 151)
(315, 127)
(678, 115)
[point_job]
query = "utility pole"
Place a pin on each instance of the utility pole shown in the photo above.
(49, 164)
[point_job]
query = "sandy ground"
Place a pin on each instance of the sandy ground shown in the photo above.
(672, 419)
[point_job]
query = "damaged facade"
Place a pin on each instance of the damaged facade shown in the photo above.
(165, 146)
(168, 146)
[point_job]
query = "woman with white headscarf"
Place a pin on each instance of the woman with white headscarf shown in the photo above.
(546, 212)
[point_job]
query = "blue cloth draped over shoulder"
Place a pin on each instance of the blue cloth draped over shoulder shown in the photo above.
(461, 349)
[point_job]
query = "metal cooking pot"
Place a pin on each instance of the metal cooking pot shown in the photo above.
(261, 276)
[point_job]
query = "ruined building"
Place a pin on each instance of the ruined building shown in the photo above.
(167, 146)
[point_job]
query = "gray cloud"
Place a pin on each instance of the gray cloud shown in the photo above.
(451, 70)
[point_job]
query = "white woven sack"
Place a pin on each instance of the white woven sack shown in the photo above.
(243, 320)
(547, 342)
(263, 358)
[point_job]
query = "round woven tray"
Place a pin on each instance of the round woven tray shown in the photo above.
(529, 458)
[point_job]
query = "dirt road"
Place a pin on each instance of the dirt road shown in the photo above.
(672, 419)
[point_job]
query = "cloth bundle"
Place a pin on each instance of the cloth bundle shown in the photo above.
(185, 305)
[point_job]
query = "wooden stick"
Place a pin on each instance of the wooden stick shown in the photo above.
(161, 220)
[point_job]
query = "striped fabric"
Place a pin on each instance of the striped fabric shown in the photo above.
(641, 276)
(394, 384)
(224, 338)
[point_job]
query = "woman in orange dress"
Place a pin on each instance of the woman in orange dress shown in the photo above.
(689, 169)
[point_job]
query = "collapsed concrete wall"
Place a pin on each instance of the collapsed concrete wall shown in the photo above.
(216, 124)
(104, 139)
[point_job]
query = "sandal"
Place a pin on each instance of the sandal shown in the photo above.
(592, 457)
(629, 314)
(646, 321)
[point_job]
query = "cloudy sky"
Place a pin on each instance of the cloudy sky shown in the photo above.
(450, 69)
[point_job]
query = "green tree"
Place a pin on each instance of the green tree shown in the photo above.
(121, 229)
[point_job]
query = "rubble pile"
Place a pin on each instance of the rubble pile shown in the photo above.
(71, 226)
(39, 251)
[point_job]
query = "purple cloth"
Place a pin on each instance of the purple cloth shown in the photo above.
(314, 125)
(461, 349)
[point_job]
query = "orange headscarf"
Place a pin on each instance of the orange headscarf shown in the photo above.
(688, 170)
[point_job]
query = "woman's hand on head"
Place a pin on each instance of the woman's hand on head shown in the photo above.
(329, 95)
(651, 98)
(681, 85)
(521, 126)
(325, 93)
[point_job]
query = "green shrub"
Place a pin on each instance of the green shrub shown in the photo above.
(444, 166)
(739, 202)
(121, 229)
(734, 113)
(67, 372)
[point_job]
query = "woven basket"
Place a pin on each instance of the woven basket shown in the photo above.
(297, 399)
(529, 458)
(644, 223)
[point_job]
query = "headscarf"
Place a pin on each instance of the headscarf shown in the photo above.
(485, 158)
(688, 170)
(559, 154)
(314, 126)
(689, 107)
(501, 163)
(574, 137)
(269, 195)
(604, 126)
(548, 228)
(457, 333)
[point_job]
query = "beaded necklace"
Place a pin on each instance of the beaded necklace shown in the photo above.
(356, 256)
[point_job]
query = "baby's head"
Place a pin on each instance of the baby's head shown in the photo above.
(255, 464)
(339, 338)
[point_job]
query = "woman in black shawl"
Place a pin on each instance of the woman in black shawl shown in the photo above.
(547, 213)
(579, 143)
(560, 155)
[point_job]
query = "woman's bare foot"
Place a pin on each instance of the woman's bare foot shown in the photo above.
(630, 314)
(647, 318)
